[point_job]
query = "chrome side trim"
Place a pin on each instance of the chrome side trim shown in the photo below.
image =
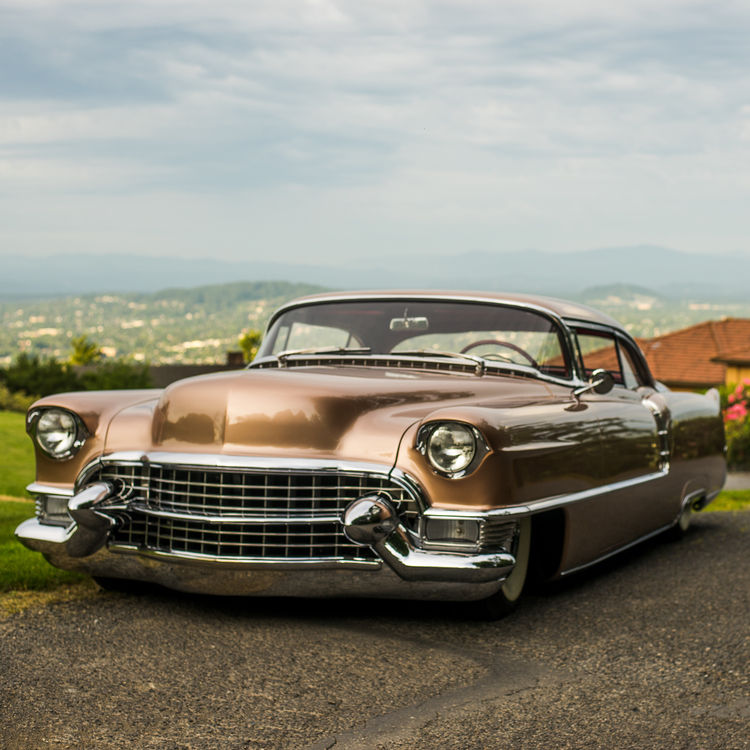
(617, 551)
(577, 497)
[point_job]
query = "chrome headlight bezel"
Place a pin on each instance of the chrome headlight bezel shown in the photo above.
(70, 422)
(427, 444)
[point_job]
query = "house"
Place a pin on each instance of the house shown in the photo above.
(702, 356)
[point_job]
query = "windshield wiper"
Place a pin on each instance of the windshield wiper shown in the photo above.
(480, 362)
(283, 356)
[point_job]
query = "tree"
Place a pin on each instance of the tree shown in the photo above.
(85, 351)
(249, 343)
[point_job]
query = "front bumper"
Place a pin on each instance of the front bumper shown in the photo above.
(401, 569)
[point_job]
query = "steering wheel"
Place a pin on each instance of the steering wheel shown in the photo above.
(507, 344)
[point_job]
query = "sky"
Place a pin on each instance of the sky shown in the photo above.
(339, 132)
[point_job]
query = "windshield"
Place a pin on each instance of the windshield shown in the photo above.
(497, 333)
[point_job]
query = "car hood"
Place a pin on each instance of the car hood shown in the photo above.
(335, 412)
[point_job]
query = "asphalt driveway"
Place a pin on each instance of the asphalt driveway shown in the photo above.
(648, 651)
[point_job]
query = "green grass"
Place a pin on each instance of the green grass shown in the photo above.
(731, 500)
(16, 455)
(20, 568)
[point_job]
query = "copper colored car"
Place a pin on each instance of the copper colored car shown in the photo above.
(398, 444)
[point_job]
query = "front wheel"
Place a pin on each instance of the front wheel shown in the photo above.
(505, 600)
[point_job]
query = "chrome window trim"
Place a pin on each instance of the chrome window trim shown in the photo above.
(530, 306)
(617, 333)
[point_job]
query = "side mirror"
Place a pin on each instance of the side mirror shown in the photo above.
(600, 381)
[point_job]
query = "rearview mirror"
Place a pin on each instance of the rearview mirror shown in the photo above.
(409, 324)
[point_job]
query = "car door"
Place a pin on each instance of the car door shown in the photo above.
(634, 438)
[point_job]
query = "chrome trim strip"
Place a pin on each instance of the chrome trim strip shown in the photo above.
(617, 551)
(318, 563)
(604, 489)
(256, 463)
(234, 461)
(37, 488)
(267, 519)
(389, 359)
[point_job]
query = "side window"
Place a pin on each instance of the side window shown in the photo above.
(599, 350)
(631, 373)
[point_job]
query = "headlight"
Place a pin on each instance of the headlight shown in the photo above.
(451, 447)
(59, 433)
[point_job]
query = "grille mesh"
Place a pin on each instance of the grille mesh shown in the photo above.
(290, 515)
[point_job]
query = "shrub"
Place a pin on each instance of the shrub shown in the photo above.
(736, 404)
(10, 401)
(30, 377)
(30, 374)
(115, 374)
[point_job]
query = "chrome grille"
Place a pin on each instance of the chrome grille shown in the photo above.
(243, 513)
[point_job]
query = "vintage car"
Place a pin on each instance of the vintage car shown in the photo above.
(427, 445)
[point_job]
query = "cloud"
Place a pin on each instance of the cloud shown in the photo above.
(419, 120)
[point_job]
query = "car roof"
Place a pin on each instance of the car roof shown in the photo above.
(573, 311)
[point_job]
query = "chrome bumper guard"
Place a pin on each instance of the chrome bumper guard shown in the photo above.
(368, 521)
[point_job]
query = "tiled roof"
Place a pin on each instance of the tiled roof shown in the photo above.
(688, 357)
(735, 356)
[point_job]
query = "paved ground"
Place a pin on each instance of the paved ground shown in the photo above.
(650, 651)
(738, 480)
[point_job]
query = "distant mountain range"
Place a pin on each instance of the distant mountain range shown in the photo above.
(669, 273)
